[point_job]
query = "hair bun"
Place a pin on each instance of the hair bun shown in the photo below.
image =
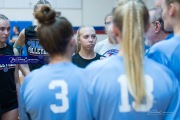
(45, 15)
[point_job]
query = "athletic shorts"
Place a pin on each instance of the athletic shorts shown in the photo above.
(8, 107)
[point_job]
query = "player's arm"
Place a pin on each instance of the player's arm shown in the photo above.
(24, 68)
(17, 51)
(19, 43)
(22, 108)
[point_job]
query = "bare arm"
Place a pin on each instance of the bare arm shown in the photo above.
(20, 42)
(16, 74)
(24, 68)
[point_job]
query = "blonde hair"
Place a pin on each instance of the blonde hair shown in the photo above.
(131, 17)
(78, 46)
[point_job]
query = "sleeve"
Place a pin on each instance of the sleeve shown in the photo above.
(173, 111)
(22, 107)
(84, 105)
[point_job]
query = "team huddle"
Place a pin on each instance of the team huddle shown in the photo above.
(134, 74)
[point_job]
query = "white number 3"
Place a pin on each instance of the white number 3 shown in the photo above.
(62, 96)
(125, 106)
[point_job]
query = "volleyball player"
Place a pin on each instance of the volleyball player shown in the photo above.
(86, 41)
(129, 86)
(50, 92)
(8, 76)
(29, 38)
(168, 52)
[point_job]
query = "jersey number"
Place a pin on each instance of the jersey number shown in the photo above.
(125, 106)
(61, 96)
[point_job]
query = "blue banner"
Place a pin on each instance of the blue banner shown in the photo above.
(24, 59)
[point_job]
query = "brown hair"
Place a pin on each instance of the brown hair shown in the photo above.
(41, 2)
(54, 32)
(3, 17)
(132, 17)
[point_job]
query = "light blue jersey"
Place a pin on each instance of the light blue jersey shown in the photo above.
(50, 93)
(104, 94)
(167, 53)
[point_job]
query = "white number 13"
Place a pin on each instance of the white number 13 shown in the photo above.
(62, 96)
(125, 106)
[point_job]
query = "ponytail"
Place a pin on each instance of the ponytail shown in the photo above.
(135, 13)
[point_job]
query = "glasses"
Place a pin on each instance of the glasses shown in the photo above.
(108, 23)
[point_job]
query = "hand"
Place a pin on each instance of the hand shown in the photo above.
(12, 41)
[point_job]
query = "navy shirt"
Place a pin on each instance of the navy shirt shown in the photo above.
(8, 93)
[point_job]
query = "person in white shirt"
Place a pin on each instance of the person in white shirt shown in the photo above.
(108, 46)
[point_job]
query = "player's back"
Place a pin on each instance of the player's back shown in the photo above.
(104, 95)
(50, 93)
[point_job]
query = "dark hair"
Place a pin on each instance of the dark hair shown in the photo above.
(17, 27)
(54, 32)
(41, 2)
(3, 17)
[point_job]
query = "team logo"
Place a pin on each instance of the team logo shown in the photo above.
(110, 52)
(6, 67)
(35, 48)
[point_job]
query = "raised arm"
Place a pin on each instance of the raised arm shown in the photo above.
(19, 43)
(17, 51)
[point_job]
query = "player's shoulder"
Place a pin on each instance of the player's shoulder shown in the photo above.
(165, 46)
(30, 29)
(28, 78)
(158, 47)
(105, 64)
(32, 74)
(158, 69)
(75, 56)
(77, 69)
(100, 56)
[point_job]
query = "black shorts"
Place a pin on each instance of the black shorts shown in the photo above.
(8, 107)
